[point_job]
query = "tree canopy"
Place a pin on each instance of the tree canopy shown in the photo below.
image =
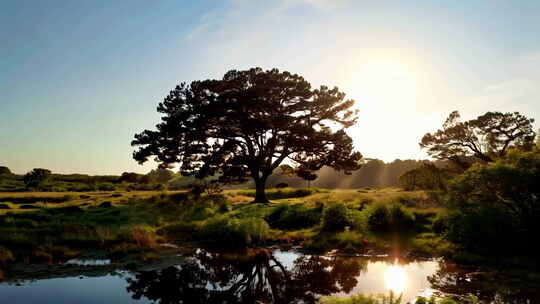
(36, 177)
(4, 170)
(247, 123)
(485, 138)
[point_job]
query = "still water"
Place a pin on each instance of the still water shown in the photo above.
(253, 277)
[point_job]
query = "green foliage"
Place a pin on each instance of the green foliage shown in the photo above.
(494, 209)
(242, 232)
(292, 217)
(260, 130)
(384, 217)
(485, 138)
(426, 177)
(36, 177)
(336, 217)
(391, 298)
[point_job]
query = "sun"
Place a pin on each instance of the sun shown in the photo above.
(384, 83)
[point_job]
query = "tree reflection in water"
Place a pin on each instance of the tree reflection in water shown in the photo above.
(256, 277)
(488, 287)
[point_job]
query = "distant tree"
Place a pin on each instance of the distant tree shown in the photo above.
(426, 177)
(307, 175)
(247, 124)
(487, 137)
(36, 177)
(4, 170)
(129, 177)
(160, 175)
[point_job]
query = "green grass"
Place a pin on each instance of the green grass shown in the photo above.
(136, 222)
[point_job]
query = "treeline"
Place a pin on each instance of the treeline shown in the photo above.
(40, 179)
(374, 173)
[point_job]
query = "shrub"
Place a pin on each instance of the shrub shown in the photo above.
(385, 217)
(497, 203)
(336, 218)
(293, 217)
(235, 231)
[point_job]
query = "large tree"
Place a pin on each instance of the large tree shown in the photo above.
(485, 138)
(36, 177)
(247, 124)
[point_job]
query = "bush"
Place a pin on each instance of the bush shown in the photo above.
(336, 218)
(494, 208)
(292, 217)
(105, 187)
(386, 217)
(235, 231)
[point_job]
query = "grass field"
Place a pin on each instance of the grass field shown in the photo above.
(47, 227)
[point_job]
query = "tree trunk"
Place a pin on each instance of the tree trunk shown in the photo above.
(260, 191)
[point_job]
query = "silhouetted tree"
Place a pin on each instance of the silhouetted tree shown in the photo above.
(426, 177)
(486, 137)
(4, 170)
(247, 124)
(129, 177)
(306, 175)
(161, 175)
(36, 177)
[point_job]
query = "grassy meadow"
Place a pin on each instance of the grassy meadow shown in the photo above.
(48, 227)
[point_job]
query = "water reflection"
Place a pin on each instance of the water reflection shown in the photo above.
(256, 277)
(259, 277)
(489, 287)
(395, 278)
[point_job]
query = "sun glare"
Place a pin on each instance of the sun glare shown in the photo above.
(395, 278)
(385, 83)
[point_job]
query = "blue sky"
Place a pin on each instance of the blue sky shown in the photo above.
(79, 78)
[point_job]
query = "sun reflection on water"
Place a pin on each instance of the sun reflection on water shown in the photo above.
(395, 278)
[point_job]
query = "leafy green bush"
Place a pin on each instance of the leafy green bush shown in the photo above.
(494, 208)
(336, 218)
(245, 231)
(292, 217)
(386, 217)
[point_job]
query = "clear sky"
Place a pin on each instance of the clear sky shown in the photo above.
(79, 78)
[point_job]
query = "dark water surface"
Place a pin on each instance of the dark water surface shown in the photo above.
(257, 276)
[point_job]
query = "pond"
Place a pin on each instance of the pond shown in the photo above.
(258, 276)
